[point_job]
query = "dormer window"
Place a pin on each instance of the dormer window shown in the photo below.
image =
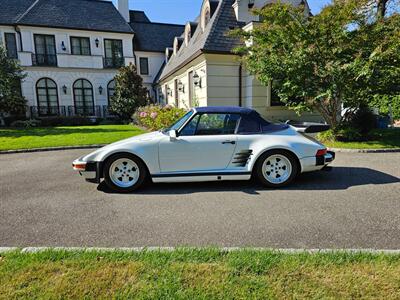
(207, 17)
(207, 11)
(177, 44)
(189, 31)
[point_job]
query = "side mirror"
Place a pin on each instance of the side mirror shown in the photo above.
(172, 135)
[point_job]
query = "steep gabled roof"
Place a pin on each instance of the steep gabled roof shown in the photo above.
(153, 37)
(95, 15)
(214, 39)
(138, 16)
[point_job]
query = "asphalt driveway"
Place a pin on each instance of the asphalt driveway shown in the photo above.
(357, 205)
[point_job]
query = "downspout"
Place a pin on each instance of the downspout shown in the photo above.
(19, 37)
(240, 84)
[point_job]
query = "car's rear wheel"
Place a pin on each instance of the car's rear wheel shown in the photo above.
(276, 168)
(124, 173)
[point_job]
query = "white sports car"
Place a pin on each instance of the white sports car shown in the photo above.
(209, 144)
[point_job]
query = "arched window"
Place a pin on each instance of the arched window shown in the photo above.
(47, 97)
(110, 90)
(83, 97)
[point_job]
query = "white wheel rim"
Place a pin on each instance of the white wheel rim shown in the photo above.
(124, 172)
(277, 169)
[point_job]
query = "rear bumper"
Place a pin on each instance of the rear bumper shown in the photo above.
(91, 171)
(325, 159)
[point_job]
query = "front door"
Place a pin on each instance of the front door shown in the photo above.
(206, 143)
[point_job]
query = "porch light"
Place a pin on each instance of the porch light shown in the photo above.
(64, 88)
(181, 86)
(63, 46)
(169, 91)
(97, 42)
(100, 90)
(196, 79)
(251, 4)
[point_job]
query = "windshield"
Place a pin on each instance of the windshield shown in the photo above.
(180, 122)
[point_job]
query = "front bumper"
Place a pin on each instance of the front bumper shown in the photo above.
(91, 171)
(326, 159)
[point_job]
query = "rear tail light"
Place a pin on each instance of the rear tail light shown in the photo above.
(79, 167)
(321, 152)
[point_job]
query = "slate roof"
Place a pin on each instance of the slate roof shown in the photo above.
(11, 10)
(138, 16)
(214, 39)
(153, 37)
(94, 15)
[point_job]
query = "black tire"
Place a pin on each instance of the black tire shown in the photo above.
(258, 170)
(143, 173)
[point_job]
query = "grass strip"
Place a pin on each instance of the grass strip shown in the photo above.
(15, 139)
(198, 274)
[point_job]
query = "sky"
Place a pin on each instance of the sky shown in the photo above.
(182, 11)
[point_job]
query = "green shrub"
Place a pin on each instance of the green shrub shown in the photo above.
(156, 117)
(26, 124)
(68, 121)
(363, 121)
(382, 103)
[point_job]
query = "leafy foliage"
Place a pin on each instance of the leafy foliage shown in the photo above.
(387, 104)
(11, 74)
(340, 57)
(156, 117)
(129, 93)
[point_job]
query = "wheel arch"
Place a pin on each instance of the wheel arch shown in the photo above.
(282, 149)
(110, 155)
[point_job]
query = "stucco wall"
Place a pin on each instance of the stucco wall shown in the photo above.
(67, 77)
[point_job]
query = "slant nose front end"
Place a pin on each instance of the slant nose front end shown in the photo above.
(91, 171)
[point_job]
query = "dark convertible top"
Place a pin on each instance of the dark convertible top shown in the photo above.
(250, 123)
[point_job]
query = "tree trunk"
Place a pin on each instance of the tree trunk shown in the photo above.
(382, 7)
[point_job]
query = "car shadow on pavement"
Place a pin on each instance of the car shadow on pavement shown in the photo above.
(340, 178)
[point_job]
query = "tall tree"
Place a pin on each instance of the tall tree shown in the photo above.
(334, 59)
(11, 74)
(129, 93)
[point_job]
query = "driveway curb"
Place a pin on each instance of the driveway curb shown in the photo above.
(394, 150)
(52, 149)
(222, 249)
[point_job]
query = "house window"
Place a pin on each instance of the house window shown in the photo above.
(11, 45)
(80, 46)
(47, 97)
(83, 97)
(114, 57)
(275, 99)
(144, 66)
(45, 48)
(110, 91)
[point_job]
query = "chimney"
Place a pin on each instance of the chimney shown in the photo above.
(123, 8)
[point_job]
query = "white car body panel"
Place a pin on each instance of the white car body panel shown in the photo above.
(211, 157)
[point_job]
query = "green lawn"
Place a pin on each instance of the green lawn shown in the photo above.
(198, 274)
(13, 139)
(384, 139)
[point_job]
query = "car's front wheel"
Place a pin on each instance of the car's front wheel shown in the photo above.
(124, 173)
(276, 168)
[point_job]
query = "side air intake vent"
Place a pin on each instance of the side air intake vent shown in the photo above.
(241, 158)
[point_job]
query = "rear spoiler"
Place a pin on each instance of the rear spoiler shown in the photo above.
(308, 127)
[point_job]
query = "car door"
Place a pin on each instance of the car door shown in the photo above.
(206, 143)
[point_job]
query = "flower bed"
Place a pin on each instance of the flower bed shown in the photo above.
(155, 117)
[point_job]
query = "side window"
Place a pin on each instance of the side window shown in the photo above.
(217, 124)
(190, 128)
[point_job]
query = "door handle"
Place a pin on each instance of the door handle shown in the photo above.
(229, 142)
